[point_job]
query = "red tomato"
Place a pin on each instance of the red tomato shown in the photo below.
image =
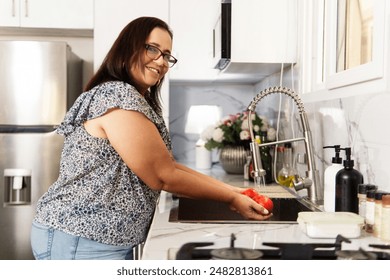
(263, 200)
(250, 192)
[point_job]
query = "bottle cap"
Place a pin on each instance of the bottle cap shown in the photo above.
(371, 187)
(371, 194)
(386, 199)
(362, 188)
(280, 149)
(348, 162)
(336, 158)
(379, 194)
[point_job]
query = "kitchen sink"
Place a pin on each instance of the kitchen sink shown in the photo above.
(208, 211)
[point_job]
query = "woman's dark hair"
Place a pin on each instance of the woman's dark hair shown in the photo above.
(125, 52)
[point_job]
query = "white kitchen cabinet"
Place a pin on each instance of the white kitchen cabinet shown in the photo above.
(192, 23)
(112, 16)
(67, 14)
(9, 12)
(263, 36)
(264, 32)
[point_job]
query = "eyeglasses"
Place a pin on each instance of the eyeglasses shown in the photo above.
(155, 53)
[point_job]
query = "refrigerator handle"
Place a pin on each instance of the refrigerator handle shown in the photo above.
(26, 8)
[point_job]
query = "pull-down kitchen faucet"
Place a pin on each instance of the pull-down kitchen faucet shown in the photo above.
(311, 182)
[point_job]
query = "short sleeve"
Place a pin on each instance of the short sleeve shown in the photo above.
(100, 99)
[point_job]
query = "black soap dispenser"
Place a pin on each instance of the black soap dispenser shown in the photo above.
(347, 184)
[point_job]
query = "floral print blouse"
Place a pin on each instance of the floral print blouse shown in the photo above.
(96, 195)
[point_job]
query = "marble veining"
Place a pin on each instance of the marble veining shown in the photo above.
(358, 122)
(165, 238)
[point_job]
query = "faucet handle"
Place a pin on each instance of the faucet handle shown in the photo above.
(302, 183)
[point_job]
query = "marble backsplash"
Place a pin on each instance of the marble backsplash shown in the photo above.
(357, 122)
(360, 123)
(231, 99)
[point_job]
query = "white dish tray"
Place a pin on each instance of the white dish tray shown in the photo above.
(330, 224)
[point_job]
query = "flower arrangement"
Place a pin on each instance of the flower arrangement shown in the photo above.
(234, 130)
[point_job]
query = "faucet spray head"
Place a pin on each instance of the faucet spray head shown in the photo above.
(311, 182)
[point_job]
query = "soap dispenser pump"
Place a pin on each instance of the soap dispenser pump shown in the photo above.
(330, 179)
(347, 184)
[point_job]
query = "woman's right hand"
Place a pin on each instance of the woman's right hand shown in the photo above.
(248, 208)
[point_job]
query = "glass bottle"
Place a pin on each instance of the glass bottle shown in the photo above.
(378, 213)
(362, 197)
(385, 228)
(279, 158)
(287, 173)
(370, 211)
(266, 158)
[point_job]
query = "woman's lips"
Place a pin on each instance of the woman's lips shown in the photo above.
(154, 70)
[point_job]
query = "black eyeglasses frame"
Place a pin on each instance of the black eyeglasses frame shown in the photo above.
(167, 57)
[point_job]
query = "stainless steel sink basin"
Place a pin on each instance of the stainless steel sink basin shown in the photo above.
(207, 211)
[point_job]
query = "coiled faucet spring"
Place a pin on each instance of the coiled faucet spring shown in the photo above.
(311, 181)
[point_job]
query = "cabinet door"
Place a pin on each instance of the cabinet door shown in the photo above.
(192, 23)
(112, 16)
(9, 13)
(264, 31)
(72, 14)
(263, 35)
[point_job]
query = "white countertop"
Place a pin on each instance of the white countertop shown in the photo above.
(165, 238)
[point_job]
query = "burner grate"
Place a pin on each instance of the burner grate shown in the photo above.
(290, 251)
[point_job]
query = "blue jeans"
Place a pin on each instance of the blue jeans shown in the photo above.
(51, 244)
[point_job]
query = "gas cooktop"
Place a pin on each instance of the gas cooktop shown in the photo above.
(283, 251)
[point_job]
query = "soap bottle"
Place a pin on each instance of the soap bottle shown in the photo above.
(347, 183)
(330, 179)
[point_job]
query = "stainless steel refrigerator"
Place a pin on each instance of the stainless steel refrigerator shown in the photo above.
(39, 81)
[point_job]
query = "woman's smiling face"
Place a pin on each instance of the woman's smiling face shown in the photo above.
(150, 71)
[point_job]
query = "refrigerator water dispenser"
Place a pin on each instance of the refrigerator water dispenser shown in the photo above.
(17, 186)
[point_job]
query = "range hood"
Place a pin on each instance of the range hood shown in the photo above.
(250, 40)
(255, 69)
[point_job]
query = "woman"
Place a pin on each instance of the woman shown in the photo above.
(117, 157)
